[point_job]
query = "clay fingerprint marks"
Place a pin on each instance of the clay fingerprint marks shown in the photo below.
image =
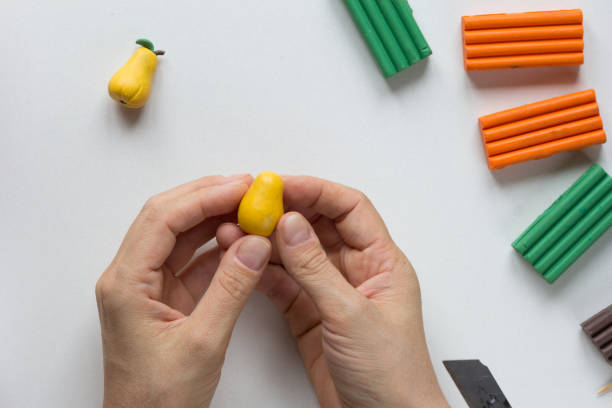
(541, 129)
(568, 228)
(391, 32)
(476, 384)
(599, 330)
(519, 40)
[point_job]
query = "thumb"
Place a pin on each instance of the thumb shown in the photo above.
(237, 276)
(306, 261)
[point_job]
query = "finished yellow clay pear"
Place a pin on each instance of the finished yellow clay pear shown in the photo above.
(262, 206)
(131, 85)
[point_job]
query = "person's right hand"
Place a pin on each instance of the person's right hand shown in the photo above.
(351, 298)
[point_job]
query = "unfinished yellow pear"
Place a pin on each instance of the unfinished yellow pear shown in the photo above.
(262, 206)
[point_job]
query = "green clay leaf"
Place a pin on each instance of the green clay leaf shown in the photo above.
(145, 43)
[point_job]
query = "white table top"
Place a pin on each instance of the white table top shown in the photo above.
(291, 87)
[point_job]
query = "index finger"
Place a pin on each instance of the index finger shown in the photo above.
(203, 182)
(354, 216)
(152, 237)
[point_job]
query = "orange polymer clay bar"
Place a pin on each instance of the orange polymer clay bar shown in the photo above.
(543, 38)
(541, 129)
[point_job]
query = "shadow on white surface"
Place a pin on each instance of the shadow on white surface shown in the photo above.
(511, 78)
(129, 117)
(409, 75)
(545, 167)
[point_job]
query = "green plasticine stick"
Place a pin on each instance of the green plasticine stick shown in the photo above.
(371, 38)
(405, 12)
(580, 248)
(399, 30)
(559, 208)
(574, 235)
(384, 32)
(566, 223)
(391, 33)
(568, 228)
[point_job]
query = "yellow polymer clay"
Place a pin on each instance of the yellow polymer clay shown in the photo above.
(262, 206)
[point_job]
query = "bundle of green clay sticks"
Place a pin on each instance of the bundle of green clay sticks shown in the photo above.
(569, 226)
(584, 213)
(391, 32)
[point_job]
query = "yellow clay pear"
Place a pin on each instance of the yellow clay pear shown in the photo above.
(262, 206)
(131, 85)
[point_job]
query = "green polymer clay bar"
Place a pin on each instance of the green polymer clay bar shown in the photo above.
(399, 31)
(570, 226)
(383, 30)
(407, 16)
(581, 229)
(391, 33)
(580, 248)
(564, 226)
(559, 208)
(372, 39)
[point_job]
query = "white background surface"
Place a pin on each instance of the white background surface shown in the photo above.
(289, 86)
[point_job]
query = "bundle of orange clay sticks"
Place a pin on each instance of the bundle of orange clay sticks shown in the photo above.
(541, 129)
(543, 38)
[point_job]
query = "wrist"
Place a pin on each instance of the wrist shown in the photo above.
(430, 400)
(124, 397)
(423, 393)
(134, 390)
(123, 389)
(125, 393)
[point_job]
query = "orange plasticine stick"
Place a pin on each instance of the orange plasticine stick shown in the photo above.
(539, 18)
(541, 129)
(522, 40)
(547, 149)
(537, 108)
(541, 122)
(523, 34)
(525, 61)
(545, 135)
(523, 48)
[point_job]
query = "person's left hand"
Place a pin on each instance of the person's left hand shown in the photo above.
(164, 337)
(350, 297)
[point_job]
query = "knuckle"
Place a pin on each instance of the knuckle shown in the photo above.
(103, 289)
(236, 282)
(153, 205)
(200, 345)
(312, 262)
(207, 347)
(362, 197)
(359, 195)
(108, 295)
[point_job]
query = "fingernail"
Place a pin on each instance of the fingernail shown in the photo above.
(296, 230)
(254, 252)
